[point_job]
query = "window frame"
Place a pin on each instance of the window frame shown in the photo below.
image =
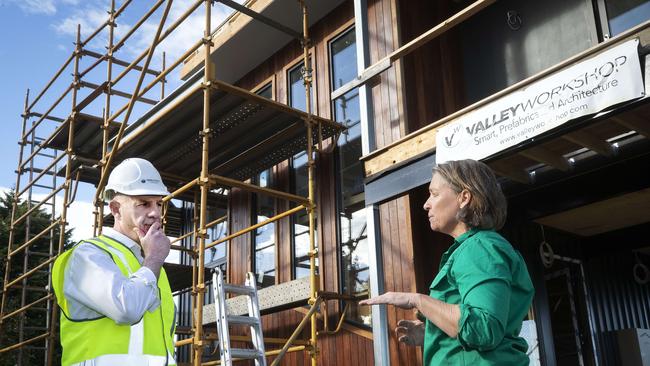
(291, 66)
(314, 85)
(268, 82)
(340, 32)
(253, 217)
(292, 228)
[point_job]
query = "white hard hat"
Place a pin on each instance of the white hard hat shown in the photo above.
(135, 177)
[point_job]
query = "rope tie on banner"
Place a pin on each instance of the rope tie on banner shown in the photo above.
(546, 251)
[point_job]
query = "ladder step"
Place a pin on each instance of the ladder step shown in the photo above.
(245, 353)
(36, 348)
(31, 288)
(223, 320)
(239, 319)
(39, 309)
(45, 155)
(34, 328)
(40, 254)
(44, 203)
(40, 271)
(42, 186)
(241, 290)
(36, 170)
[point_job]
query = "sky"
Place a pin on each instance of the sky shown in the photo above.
(37, 37)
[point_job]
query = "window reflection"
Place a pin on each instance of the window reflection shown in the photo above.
(297, 97)
(300, 220)
(625, 14)
(264, 240)
(351, 201)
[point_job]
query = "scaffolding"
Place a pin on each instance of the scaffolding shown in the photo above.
(204, 159)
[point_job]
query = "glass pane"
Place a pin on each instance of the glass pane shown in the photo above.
(344, 59)
(300, 220)
(351, 169)
(625, 14)
(354, 260)
(266, 91)
(265, 235)
(352, 225)
(297, 89)
(217, 254)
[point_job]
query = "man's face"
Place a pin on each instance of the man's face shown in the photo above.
(135, 212)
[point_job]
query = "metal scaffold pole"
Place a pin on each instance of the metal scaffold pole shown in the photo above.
(311, 173)
(106, 162)
(99, 204)
(194, 245)
(67, 184)
(204, 183)
(14, 205)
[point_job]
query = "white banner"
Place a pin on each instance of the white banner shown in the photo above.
(611, 77)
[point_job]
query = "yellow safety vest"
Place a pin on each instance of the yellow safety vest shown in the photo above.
(101, 341)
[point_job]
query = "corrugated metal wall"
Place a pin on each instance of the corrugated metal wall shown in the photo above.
(618, 302)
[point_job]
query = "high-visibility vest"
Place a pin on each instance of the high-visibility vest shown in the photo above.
(101, 341)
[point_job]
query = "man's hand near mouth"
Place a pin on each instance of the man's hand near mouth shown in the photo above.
(155, 246)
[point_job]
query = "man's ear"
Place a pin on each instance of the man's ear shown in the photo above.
(464, 198)
(115, 209)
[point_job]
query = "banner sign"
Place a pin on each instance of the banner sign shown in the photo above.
(611, 77)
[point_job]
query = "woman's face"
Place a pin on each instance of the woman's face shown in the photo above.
(442, 206)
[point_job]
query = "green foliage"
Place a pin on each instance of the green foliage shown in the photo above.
(34, 319)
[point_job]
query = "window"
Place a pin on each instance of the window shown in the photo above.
(623, 15)
(264, 239)
(300, 220)
(299, 179)
(266, 91)
(297, 88)
(216, 256)
(353, 241)
(344, 59)
(263, 209)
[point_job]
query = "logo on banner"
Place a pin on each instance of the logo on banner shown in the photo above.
(452, 138)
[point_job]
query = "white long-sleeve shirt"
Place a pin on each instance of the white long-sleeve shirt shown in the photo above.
(95, 286)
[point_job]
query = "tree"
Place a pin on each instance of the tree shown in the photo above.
(35, 318)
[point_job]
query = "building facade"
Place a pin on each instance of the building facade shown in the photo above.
(577, 192)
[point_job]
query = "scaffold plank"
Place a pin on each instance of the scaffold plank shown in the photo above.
(284, 296)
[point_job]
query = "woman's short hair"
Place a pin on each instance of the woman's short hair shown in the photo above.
(487, 208)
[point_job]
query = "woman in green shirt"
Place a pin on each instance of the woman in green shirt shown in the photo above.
(482, 291)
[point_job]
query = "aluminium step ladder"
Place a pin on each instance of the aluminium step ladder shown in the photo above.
(253, 320)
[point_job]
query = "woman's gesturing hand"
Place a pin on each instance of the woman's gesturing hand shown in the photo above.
(404, 300)
(410, 332)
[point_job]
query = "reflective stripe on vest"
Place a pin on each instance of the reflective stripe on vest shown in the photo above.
(101, 341)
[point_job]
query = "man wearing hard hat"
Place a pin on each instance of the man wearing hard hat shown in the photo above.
(116, 303)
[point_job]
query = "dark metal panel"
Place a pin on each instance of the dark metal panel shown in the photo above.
(524, 236)
(618, 301)
(540, 34)
(413, 173)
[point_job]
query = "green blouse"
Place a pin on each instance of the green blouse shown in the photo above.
(488, 278)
